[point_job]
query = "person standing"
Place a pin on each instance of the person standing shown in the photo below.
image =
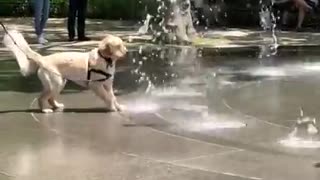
(41, 15)
(304, 6)
(77, 8)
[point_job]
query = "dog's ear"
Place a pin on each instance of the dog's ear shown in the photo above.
(105, 46)
(112, 46)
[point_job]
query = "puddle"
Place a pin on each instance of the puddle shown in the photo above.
(176, 92)
(142, 106)
(293, 142)
(213, 125)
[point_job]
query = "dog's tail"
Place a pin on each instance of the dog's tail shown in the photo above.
(28, 60)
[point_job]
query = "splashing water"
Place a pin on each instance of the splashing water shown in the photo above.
(214, 122)
(268, 22)
(219, 125)
(303, 134)
(189, 107)
(176, 92)
(144, 29)
(142, 106)
(265, 19)
(293, 142)
(205, 121)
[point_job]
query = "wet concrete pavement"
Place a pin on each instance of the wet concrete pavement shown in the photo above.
(191, 114)
(56, 33)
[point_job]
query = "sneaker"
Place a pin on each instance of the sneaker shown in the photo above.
(42, 40)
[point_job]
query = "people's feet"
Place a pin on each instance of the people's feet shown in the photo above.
(284, 27)
(84, 38)
(71, 39)
(79, 39)
(299, 29)
(42, 40)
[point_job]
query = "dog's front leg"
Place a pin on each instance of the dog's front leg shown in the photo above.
(105, 95)
(109, 87)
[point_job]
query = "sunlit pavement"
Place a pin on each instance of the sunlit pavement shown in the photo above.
(189, 114)
(56, 33)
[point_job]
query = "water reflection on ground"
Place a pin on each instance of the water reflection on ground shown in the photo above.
(212, 92)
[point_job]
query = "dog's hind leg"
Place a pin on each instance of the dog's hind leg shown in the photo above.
(58, 85)
(45, 95)
(46, 92)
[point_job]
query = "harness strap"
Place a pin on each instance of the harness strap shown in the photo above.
(108, 60)
(98, 71)
(107, 75)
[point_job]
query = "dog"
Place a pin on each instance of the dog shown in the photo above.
(94, 69)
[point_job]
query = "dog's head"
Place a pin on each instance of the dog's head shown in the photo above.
(113, 47)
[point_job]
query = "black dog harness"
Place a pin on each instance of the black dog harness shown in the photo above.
(109, 63)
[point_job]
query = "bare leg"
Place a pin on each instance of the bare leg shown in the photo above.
(303, 7)
(302, 4)
(301, 16)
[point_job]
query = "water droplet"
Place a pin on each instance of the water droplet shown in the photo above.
(140, 49)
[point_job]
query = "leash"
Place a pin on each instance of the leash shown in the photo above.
(90, 70)
(4, 28)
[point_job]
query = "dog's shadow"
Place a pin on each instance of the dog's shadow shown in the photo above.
(130, 123)
(67, 110)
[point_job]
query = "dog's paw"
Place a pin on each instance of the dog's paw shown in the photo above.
(47, 111)
(59, 105)
(120, 107)
(112, 109)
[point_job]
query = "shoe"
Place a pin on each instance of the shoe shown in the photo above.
(71, 39)
(42, 40)
(299, 29)
(84, 39)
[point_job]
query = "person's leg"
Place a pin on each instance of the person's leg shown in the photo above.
(71, 18)
(81, 20)
(302, 4)
(38, 4)
(45, 16)
(301, 16)
(285, 17)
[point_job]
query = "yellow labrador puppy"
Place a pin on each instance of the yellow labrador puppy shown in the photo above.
(94, 69)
